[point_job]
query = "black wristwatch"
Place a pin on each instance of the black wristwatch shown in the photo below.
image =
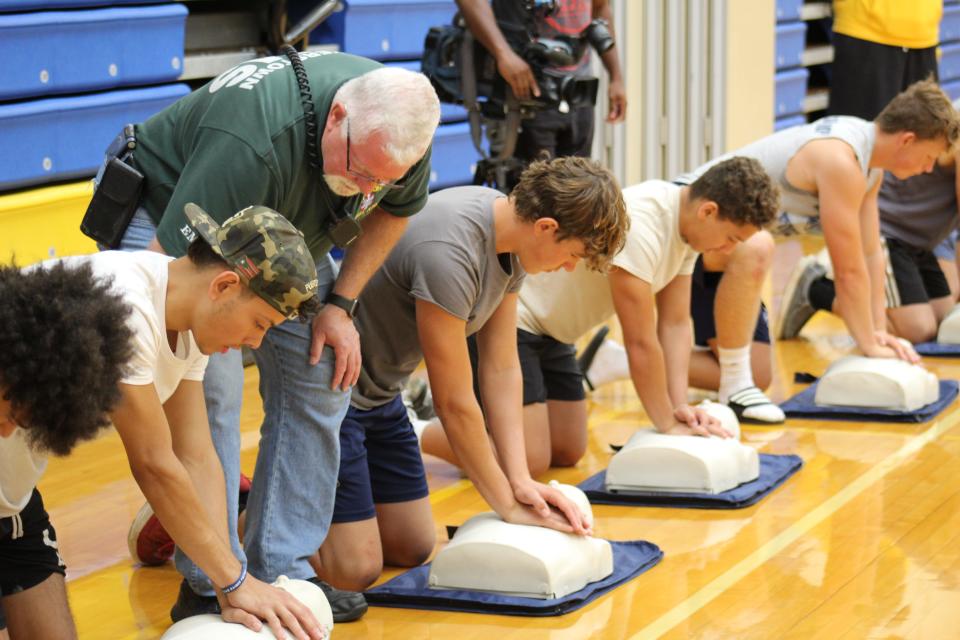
(349, 305)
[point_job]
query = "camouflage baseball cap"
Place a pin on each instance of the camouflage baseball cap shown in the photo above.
(267, 252)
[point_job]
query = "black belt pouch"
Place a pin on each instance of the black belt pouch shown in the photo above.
(114, 203)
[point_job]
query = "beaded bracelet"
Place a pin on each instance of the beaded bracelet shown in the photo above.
(230, 588)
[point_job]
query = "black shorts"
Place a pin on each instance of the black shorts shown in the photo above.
(28, 549)
(380, 462)
(865, 76)
(703, 292)
(549, 368)
(913, 275)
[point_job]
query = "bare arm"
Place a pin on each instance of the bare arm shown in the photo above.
(483, 26)
(847, 216)
(176, 466)
(634, 302)
(381, 231)
(659, 352)
(448, 366)
(673, 328)
(193, 446)
(616, 92)
(873, 254)
(167, 481)
(501, 387)
(841, 189)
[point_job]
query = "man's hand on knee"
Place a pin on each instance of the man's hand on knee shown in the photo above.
(334, 327)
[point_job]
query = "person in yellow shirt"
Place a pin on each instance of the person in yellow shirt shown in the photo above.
(880, 47)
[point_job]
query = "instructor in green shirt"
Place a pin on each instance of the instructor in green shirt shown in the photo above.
(245, 138)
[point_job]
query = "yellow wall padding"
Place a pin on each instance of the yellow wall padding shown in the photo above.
(44, 223)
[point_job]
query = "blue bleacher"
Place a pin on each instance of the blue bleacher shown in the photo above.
(790, 81)
(38, 5)
(64, 138)
(383, 29)
(51, 52)
(73, 78)
(791, 89)
(788, 10)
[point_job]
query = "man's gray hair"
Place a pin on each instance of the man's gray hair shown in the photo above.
(401, 104)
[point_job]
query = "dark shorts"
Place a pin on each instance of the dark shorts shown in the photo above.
(865, 76)
(28, 549)
(913, 275)
(380, 462)
(703, 292)
(549, 368)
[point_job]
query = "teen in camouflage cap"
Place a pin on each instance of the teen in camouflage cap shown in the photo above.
(268, 253)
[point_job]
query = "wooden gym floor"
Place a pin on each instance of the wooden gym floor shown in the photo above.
(864, 542)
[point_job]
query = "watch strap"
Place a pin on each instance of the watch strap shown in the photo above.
(349, 305)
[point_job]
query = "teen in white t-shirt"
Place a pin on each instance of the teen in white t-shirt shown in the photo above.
(236, 281)
(648, 287)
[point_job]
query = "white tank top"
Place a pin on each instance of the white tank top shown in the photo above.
(775, 151)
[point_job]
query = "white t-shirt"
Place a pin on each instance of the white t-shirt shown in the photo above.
(141, 278)
(20, 469)
(565, 305)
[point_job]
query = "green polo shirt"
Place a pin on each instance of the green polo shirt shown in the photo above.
(240, 140)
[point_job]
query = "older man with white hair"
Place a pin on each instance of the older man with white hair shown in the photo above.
(341, 146)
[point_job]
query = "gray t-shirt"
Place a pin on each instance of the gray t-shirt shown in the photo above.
(775, 151)
(922, 210)
(447, 257)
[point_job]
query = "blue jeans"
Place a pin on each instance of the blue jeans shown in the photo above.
(291, 504)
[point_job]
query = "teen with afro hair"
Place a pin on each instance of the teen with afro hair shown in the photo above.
(64, 345)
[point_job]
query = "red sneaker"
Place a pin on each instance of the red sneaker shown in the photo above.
(150, 544)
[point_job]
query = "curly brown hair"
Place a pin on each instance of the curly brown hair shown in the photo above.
(584, 199)
(924, 109)
(742, 189)
(64, 346)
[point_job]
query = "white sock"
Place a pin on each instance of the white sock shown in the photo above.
(609, 365)
(735, 371)
(418, 425)
(736, 383)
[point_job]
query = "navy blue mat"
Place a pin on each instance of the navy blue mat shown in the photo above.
(409, 590)
(802, 406)
(938, 350)
(774, 470)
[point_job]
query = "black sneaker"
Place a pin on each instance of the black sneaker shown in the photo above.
(346, 606)
(189, 604)
(585, 359)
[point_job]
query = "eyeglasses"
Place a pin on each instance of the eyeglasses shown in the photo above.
(378, 184)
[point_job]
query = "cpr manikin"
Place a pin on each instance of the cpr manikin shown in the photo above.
(653, 461)
(213, 627)
(877, 383)
(488, 554)
(949, 332)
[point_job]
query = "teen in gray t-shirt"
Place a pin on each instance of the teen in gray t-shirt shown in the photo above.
(455, 273)
(447, 257)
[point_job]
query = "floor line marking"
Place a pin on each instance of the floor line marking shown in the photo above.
(788, 536)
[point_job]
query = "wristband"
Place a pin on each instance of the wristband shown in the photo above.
(230, 588)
